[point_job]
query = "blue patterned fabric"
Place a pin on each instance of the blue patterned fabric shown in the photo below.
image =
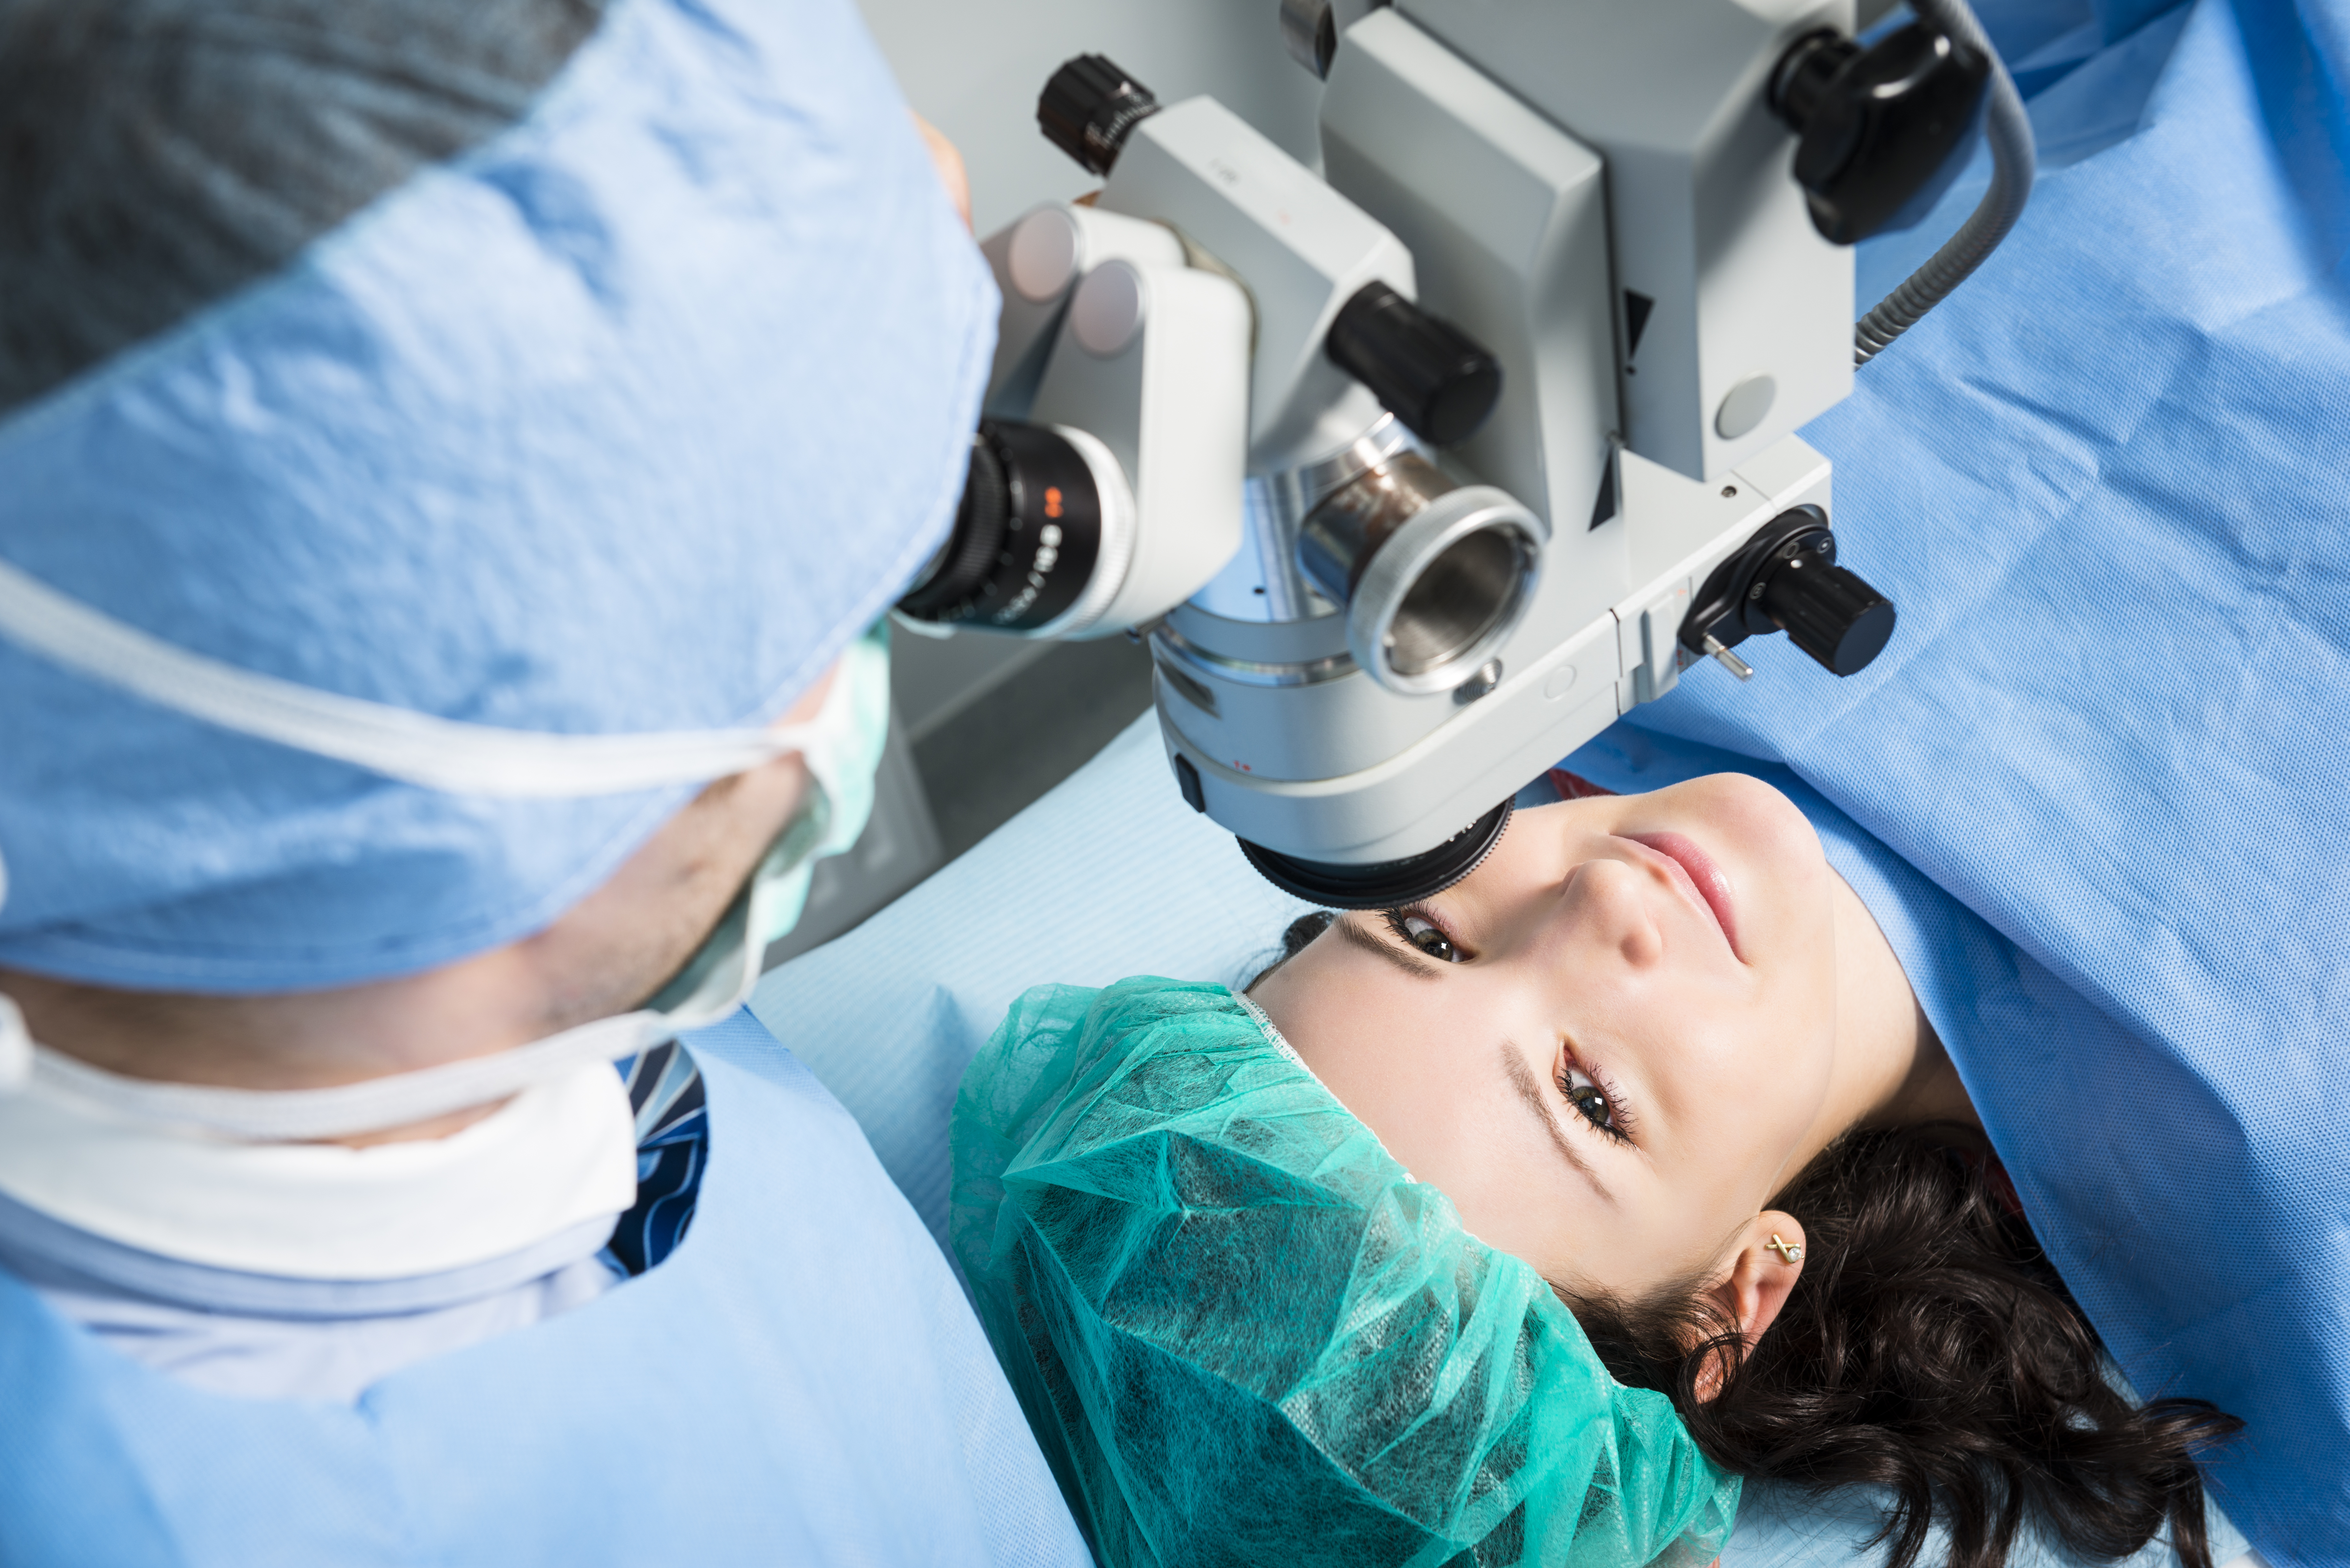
(672, 1148)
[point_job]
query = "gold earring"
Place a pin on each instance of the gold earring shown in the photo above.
(1790, 1253)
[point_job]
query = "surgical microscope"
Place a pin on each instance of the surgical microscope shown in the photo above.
(1418, 472)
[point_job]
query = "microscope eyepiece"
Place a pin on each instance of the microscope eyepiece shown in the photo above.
(1088, 108)
(1423, 369)
(1386, 884)
(1035, 535)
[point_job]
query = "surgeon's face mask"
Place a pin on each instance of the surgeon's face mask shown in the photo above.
(841, 747)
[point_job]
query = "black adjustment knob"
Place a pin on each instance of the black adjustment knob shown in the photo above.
(1424, 371)
(1882, 127)
(1785, 578)
(1088, 109)
(1828, 612)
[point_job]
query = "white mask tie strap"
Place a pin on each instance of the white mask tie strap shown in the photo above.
(399, 743)
(294, 1115)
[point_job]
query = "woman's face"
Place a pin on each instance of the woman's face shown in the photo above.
(1610, 1043)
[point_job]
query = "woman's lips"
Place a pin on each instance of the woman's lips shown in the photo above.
(1705, 880)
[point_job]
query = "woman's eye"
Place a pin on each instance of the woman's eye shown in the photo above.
(1425, 935)
(1586, 1096)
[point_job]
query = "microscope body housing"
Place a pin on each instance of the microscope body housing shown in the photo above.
(1599, 195)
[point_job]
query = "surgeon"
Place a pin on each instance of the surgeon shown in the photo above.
(452, 454)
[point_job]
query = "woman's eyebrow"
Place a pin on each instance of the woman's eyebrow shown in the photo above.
(1368, 941)
(1531, 1093)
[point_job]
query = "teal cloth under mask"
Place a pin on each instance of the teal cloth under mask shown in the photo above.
(842, 748)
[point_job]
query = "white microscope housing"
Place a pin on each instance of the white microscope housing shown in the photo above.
(1417, 473)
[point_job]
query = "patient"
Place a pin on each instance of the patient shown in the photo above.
(1654, 1048)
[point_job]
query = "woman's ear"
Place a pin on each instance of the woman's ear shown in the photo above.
(1765, 1263)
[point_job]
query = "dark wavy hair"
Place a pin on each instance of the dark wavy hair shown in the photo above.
(1928, 1349)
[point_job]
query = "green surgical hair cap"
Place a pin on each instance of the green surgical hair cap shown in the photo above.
(1244, 1334)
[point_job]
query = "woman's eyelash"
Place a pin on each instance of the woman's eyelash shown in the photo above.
(1595, 1099)
(1430, 938)
(1589, 1093)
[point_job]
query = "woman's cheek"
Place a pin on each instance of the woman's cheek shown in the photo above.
(1778, 863)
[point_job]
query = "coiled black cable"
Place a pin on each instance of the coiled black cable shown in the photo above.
(2009, 129)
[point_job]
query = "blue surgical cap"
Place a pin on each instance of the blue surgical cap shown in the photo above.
(1243, 1334)
(623, 424)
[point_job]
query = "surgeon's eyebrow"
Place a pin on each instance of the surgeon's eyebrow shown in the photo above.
(1349, 931)
(1522, 1079)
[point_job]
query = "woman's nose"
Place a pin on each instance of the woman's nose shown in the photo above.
(1603, 906)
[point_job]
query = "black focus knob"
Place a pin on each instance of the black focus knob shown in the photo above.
(1881, 127)
(1785, 578)
(1828, 612)
(1088, 109)
(1423, 369)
